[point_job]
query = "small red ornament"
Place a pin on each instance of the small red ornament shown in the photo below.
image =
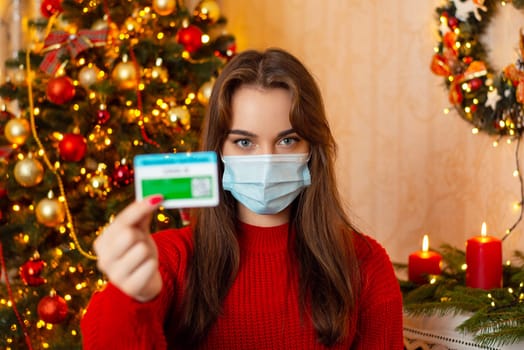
(475, 84)
(50, 7)
(52, 309)
(31, 270)
(72, 147)
(190, 37)
(102, 115)
(60, 90)
(467, 60)
(3, 191)
(122, 175)
(452, 23)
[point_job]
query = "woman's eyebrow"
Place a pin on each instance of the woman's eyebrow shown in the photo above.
(241, 132)
(250, 134)
(286, 132)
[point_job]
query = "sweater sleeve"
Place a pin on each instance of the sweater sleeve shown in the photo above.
(380, 307)
(115, 321)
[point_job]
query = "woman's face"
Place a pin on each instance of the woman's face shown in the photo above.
(260, 123)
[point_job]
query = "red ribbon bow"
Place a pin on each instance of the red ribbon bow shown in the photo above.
(58, 43)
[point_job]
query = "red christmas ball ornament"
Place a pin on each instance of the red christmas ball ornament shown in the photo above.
(52, 309)
(190, 37)
(122, 175)
(72, 147)
(102, 115)
(31, 270)
(452, 23)
(50, 7)
(3, 191)
(467, 60)
(475, 84)
(60, 90)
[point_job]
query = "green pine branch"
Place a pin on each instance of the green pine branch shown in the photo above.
(496, 317)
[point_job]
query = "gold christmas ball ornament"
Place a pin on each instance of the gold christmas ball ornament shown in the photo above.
(88, 75)
(98, 185)
(124, 74)
(50, 212)
(207, 11)
(204, 93)
(17, 130)
(180, 115)
(164, 7)
(29, 172)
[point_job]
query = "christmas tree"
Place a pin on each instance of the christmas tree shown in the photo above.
(99, 82)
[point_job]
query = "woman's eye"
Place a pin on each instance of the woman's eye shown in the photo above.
(243, 143)
(287, 141)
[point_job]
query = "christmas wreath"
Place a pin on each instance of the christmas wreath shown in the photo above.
(492, 101)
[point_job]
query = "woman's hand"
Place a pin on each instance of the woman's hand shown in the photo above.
(127, 253)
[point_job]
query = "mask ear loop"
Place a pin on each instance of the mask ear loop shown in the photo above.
(309, 156)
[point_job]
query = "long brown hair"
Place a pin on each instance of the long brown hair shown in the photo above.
(328, 269)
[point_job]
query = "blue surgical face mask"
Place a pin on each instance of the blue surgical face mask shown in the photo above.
(266, 184)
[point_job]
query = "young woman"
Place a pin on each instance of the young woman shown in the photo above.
(277, 264)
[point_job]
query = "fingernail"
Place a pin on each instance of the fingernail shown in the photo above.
(155, 199)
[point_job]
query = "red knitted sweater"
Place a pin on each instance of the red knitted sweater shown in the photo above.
(261, 310)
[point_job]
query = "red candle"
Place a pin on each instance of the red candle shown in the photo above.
(423, 263)
(484, 261)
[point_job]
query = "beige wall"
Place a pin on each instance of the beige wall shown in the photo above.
(405, 168)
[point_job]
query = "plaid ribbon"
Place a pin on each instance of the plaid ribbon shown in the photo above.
(58, 43)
